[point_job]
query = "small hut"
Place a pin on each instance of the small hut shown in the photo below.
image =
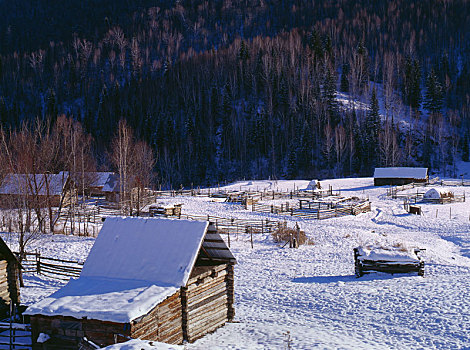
(9, 277)
(153, 279)
(400, 176)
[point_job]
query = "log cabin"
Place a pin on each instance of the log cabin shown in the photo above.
(154, 279)
(400, 176)
(9, 278)
(38, 190)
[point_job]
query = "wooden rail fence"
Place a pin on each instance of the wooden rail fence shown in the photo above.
(319, 211)
(51, 267)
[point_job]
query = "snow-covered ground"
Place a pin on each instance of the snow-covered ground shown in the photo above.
(308, 298)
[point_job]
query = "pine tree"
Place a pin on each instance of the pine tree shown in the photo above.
(243, 53)
(411, 86)
(434, 93)
(465, 148)
(3, 112)
(344, 87)
(372, 129)
(329, 95)
(51, 106)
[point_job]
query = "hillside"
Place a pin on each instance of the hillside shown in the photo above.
(223, 90)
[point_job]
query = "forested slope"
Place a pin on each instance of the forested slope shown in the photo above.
(231, 89)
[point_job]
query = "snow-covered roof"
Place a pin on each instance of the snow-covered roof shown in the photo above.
(401, 173)
(156, 250)
(94, 179)
(134, 264)
(34, 184)
(103, 299)
(111, 184)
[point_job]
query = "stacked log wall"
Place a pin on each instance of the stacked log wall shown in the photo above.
(4, 288)
(207, 301)
(163, 323)
(9, 282)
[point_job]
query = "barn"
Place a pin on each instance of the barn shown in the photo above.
(42, 190)
(149, 278)
(400, 176)
(9, 278)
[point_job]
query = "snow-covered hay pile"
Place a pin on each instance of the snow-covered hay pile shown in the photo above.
(438, 193)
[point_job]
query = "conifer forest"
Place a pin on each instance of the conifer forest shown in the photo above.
(231, 89)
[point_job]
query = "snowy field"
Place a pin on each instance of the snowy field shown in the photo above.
(308, 298)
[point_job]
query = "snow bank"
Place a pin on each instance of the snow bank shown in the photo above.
(137, 344)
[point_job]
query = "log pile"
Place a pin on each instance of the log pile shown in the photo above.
(363, 266)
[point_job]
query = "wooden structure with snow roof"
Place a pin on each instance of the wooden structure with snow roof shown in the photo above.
(155, 279)
(400, 176)
(9, 277)
(40, 190)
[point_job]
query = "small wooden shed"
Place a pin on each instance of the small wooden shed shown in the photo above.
(155, 279)
(400, 176)
(9, 277)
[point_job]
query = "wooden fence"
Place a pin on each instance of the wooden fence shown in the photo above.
(51, 267)
(15, 335)
(319, 211)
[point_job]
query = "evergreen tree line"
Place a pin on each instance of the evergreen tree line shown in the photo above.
(226, 90)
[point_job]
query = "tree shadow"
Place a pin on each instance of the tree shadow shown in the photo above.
(373, 276)
(355, 189)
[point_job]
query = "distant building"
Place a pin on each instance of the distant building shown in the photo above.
(94, 182)
(153, 279)
(399, 176)
(111, 188)
(38, 189)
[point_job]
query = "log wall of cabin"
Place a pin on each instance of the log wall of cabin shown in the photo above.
(207, 300)
(163, 323)
(100, 332)
(9, 283)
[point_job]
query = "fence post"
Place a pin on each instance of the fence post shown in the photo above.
(38, 262)
(251, 236)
